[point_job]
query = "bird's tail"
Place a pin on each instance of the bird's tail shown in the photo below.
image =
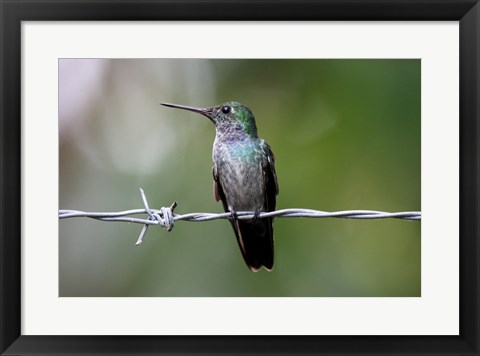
(255, 238)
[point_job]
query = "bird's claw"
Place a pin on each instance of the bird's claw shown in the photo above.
(233, 214)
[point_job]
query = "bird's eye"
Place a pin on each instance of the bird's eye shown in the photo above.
(226, 109)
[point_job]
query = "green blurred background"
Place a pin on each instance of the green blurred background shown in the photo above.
(345, 133)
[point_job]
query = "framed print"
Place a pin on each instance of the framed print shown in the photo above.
(370, 112)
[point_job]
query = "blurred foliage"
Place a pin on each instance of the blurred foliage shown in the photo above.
(345, 133)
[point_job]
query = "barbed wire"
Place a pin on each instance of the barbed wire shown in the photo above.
(166, 218)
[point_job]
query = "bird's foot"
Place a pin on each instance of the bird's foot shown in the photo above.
(256, 214)
(233, 214)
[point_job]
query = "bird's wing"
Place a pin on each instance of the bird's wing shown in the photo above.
(269, 177)
(217, 188)
(216, 183)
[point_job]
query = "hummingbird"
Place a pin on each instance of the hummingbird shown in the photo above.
(244, 178)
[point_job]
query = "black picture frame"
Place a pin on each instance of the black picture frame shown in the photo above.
(13, 12)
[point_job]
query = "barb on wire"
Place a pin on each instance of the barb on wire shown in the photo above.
(166, 218)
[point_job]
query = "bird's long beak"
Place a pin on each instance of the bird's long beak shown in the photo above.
(205, 112)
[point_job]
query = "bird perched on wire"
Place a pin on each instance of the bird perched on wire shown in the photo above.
(244, 178)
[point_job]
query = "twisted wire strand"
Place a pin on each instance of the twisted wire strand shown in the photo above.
(166, 218)
(241, 215)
